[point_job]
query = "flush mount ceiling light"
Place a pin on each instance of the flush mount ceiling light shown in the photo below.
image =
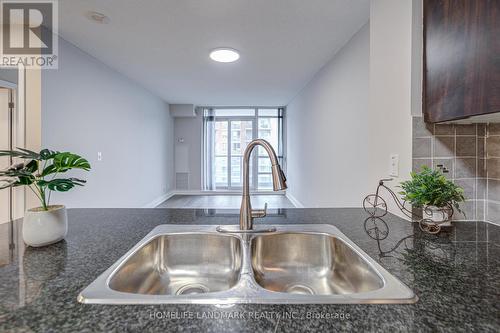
(98, 17)
(224, 54)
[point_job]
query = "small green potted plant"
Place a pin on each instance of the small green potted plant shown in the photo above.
(434, 193)
(39, 172)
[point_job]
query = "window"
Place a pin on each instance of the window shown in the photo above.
(228, 131)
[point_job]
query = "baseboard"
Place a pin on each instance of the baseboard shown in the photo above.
(160, 199)
(294, 201)
(197, 192)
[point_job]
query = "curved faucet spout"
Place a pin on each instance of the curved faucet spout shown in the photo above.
(279, 183)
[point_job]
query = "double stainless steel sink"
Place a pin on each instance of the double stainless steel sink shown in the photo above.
(198, 265)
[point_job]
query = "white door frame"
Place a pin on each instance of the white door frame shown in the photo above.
(16, 139)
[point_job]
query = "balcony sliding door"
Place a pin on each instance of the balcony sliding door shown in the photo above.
(234, 130)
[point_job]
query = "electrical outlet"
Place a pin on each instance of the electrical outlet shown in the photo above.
(394, 166)
(99, 156)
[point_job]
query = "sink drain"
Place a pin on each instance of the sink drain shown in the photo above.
(299, 289)
(191, 289)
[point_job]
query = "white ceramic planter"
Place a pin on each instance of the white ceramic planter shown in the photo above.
(42, 227)
(438, 215)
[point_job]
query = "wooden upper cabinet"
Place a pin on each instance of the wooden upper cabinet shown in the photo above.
(461, 59)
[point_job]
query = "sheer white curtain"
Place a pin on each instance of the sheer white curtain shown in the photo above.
(209, 149)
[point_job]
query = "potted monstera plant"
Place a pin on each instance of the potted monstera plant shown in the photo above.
(41, 173)
(434, 193)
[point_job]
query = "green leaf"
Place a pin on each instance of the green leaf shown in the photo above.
(66, 161)
(20, 153)
(61, 185)
(78, 182)
(6, 183)
(30, 152)
(26, 180)
(16, 173)
(32, 166)
(49, 170)
(47, 154)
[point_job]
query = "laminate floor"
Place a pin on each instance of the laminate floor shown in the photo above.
(225, 201)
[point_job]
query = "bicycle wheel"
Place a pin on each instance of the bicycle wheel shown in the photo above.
(375, 205)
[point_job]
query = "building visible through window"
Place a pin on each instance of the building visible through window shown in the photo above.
(230, 130)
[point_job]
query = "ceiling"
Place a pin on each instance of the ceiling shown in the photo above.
(164, 44)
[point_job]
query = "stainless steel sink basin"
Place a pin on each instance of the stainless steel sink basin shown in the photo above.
(180, 265)
(195, 264)
(311, 264)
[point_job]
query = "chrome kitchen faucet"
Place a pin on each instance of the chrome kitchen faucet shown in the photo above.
(247, 214)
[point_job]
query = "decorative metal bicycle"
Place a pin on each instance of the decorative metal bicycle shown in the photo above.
(376, 206)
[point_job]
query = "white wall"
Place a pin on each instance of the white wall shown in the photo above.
(343, 127)
(390, 88)
(327, 131)
(88, 107)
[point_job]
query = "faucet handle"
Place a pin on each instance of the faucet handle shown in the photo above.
(283, 175)
(259, 213)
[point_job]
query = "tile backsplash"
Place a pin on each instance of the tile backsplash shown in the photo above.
(492, 162)
(470, 156)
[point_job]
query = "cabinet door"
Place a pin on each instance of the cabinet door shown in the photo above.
(461, 58)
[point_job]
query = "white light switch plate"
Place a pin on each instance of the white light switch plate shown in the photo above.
(99, 156)
(394, 166)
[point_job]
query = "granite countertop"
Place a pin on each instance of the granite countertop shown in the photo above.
(456, 276)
